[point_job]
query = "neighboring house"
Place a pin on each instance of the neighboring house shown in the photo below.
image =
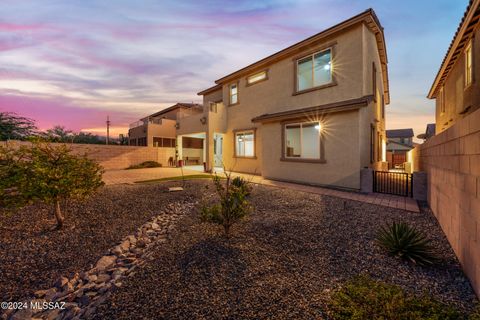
(158, 129)
(311, 113)
(400, 139)
(456, 88)
(429, 132)
(399, 142)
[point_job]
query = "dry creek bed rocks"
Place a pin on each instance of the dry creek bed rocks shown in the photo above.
(84, 292)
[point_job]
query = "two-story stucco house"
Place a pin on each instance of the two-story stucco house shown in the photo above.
(158, 129)
(456, 88)
(311, 113)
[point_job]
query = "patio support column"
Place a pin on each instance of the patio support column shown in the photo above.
(179, 148)
(209, 150)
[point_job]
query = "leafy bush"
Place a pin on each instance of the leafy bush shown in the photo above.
(233, 204)
(46, 173)
(242, 183)
(364, 298)
(146, 164)
(401, 240)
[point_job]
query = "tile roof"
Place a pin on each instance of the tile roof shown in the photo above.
(465, 29)
(175, 106)
(315, 110)
(400, 133)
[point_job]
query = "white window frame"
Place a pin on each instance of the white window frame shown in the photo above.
(312, 55)
(235, 143)
(320, 156)
(230, 96)
(264, 77)
(468, 64)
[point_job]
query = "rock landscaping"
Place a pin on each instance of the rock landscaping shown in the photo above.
(283, 262)
(80, 295)
(33, 257)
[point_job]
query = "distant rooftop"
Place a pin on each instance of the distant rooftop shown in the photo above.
(400, 133)
(430, 131)
(176, 106)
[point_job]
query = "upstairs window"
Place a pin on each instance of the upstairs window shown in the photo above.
(260, 76)
(383, 107)
(441, 100)
(314, 70)
(212, 107)
(374, 81)
(468, 65)
(245, 144)
(233, 92)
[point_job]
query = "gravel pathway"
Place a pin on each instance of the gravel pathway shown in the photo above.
(33, 258)
(282, 262)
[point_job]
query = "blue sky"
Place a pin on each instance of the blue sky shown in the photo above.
(74, 62)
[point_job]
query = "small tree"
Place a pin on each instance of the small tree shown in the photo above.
(233, 205)
(15, 127)
(45, 173)
(59, 134)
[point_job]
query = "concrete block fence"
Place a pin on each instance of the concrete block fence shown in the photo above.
(112, 157)
(451, 160)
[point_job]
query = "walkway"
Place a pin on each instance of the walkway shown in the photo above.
(134, 175)
(131, 176)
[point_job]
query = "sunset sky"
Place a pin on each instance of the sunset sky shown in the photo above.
(74, 62)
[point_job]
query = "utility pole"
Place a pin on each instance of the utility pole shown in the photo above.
(108, 129)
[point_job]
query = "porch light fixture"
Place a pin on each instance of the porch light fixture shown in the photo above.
(318, 127)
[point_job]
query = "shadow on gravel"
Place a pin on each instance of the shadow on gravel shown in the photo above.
(210, 258)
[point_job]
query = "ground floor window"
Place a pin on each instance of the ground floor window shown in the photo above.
(302, 140)
(164, 142)
(245, 143)
(142, 141)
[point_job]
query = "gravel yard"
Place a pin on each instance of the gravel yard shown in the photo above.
(32, 257)
(282, 262)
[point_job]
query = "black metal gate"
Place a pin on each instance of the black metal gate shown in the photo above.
(398, 183)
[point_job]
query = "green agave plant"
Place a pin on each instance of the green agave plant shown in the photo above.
(404, 241)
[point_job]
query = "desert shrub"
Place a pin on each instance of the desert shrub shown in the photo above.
(399, 239)
(146, 164)
(232, 205)
(242, 183)
(46, 173)
(364, 298)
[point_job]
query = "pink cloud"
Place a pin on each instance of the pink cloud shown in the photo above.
(51, 111)
(12, 27)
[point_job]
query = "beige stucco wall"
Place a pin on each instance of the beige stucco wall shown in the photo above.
(164, 130)
(150, 130)
(354, 50)
(373, 114)
(192, 124)
(342, 167)
(137, 132)
(276, 94)
(452, 161)
(457, 97)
